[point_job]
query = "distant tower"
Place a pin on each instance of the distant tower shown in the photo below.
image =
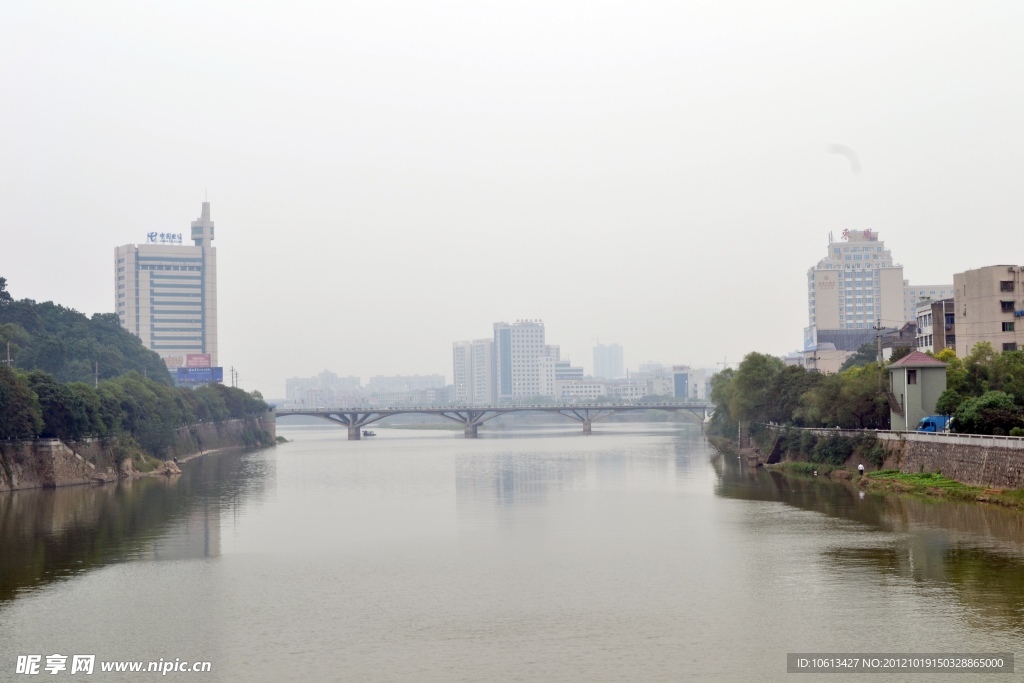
(202, 228)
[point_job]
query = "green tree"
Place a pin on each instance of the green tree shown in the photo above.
(64, 414)
(865, 355)
(753, 382)
(787, 388)
(900, 352)
(948, 401)
(994, 412)
(20, 414)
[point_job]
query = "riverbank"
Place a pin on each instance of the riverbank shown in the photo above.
(51, 463)
(929, 484)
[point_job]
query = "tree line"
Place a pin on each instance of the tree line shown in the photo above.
(69, 345)
(984, 394)
(34, 404)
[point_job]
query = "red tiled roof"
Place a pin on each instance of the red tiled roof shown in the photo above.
(916, 359)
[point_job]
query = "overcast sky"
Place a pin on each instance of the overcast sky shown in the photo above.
(389, 177)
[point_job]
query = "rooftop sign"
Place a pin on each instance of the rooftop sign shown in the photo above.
(163, 238)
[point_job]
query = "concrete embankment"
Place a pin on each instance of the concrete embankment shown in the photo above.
(995, 461)
(47, 463)
(990, 461)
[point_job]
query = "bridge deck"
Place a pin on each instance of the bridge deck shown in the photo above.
(471, 417)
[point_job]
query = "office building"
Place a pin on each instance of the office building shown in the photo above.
(166, 292)
(988, 306)
(608, 363)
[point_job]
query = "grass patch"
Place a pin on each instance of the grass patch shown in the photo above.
(935, 484)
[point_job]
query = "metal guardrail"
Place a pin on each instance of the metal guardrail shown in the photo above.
(897, 434)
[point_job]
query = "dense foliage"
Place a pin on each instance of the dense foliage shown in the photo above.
(36, 404)
(984, 394)
(70, 346)
(763, 389)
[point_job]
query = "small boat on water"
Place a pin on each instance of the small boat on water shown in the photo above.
(367, 432)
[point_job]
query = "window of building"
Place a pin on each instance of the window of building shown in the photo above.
(950, 319)
(1007, 327)
(1007, 306)
(1006, 286)
(1010, 346)
(911, 376)
(950, 340)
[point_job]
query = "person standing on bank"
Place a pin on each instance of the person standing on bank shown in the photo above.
(860, 469)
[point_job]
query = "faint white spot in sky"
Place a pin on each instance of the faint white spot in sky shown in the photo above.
(850, 155)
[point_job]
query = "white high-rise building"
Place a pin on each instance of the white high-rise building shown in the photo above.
(166, 292)
(473, 372)
(608, 362)
(916, 295)
(517, 348)
(855, 287)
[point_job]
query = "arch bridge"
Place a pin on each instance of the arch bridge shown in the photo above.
(471, 417)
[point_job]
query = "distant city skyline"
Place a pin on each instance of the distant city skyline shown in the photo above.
(660, 175)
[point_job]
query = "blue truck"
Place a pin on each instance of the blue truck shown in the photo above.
(935, 423)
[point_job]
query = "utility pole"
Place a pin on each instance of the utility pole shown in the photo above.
(96, 376)
(8, 354)
(878, 339)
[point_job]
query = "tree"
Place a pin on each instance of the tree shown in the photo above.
(20, 415)
(948, 401)
(992, 413)
(899, 352)
(866, 355)
(753, 381)
(783, 398)
(5, 297)
(64, 414)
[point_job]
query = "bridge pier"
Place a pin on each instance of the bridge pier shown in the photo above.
(470, 431)
(354, 434)
(586, 426)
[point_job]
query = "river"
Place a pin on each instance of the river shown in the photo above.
(532, 554)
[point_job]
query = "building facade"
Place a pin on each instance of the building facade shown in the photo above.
(857, 287)
(517, 348)
(988, 306)
(166, 292)
(608, 363)
(849, 291)
(936, 326)
(473, 372)
(916, 295)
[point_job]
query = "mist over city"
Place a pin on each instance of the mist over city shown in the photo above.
(547, 341)
(390, 178)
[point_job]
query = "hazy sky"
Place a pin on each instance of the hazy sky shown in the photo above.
(389, 177)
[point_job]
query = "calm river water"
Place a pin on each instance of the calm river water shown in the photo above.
(536, 554)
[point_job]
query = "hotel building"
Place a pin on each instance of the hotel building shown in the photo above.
(855, 287)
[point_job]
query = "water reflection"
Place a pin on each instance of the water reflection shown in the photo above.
(50, 534)
(976, 551)
(498, 475)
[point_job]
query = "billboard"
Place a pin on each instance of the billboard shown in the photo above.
(172, 362)
(198, 360)
(190, 377)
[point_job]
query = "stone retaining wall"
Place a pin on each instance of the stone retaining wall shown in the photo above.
(46, 463)
(978, 460)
